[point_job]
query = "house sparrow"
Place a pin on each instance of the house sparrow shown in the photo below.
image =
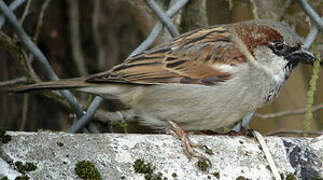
(202, 80)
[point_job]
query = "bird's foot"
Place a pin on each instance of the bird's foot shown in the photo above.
(242, 132)
(188, 146)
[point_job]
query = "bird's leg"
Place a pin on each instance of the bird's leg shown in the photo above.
(188, 146)
(242, 127)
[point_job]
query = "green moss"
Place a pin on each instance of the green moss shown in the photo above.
(124, 126)
(22, 177)
(141, 167)
(216, 174)
(158, 176)
(60, 144)
(208, 151)
(87, 170)
(203, 165)
(146, 168)
(242, 178)
(30, 166)
(311, 92)
(174, 175)
(291, 176)
(10, 163)
(3, 137)
(22, 168)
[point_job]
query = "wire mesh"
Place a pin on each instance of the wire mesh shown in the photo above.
(165, 20)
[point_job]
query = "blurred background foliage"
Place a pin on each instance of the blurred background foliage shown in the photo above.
(108, 31)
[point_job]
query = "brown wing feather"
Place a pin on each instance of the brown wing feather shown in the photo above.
(191, 58)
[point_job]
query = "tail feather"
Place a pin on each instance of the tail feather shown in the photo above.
(49, 85)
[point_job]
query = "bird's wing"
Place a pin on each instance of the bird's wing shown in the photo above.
(204, 56)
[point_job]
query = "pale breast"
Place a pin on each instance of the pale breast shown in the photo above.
(193, 107)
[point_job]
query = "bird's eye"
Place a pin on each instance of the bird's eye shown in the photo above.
(279, 45)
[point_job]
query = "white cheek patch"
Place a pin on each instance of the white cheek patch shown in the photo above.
(278, 69)
(279, 77)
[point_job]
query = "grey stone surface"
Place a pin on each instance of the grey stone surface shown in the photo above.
(114, 155)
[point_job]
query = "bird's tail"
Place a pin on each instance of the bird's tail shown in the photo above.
(49, 85)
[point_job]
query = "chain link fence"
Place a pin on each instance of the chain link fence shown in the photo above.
(165, 20)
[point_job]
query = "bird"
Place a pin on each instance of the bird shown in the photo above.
(204, 79)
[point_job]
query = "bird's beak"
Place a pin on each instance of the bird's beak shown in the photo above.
(303, 55)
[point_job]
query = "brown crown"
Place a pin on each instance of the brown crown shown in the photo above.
(254, 35)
